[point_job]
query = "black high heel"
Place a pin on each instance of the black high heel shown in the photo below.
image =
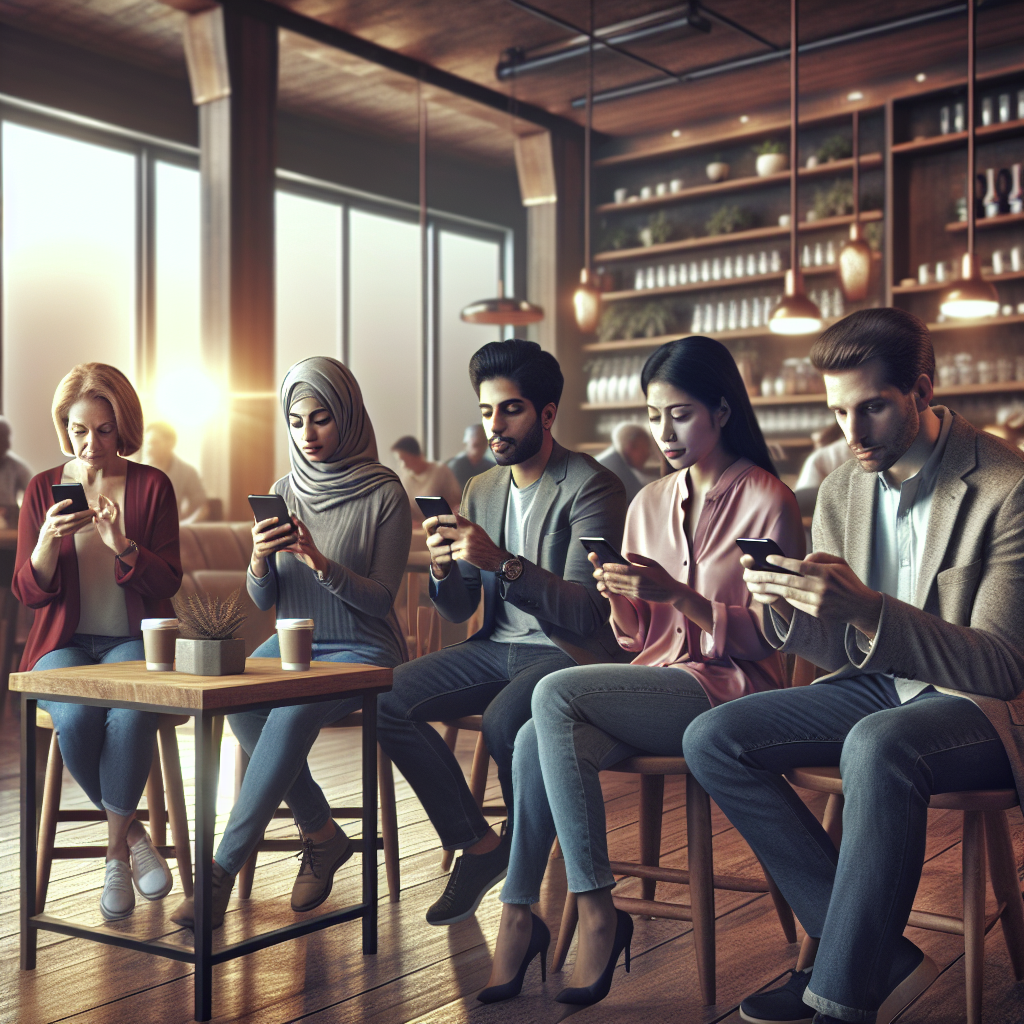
(540, 939)
(588, 994)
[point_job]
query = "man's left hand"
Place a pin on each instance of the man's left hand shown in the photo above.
(470, 543)
(827, 588)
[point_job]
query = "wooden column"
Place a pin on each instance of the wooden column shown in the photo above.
(232, 64)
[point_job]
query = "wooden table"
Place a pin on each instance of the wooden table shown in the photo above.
(264, 684)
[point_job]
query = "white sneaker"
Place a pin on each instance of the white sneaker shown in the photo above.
(150, 873)
(118, 899)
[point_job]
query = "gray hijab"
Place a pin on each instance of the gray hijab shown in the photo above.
(353, 470)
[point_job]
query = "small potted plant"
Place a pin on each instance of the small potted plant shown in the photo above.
(835, 147)
(771, 157)
(207, 645)
(718, 169)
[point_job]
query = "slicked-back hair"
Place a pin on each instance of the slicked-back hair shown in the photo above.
(99, 380)
(407, 444)
(899, 340)
(535, 373)
(705, 370)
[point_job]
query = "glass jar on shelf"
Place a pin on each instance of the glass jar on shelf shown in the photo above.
(966, 373)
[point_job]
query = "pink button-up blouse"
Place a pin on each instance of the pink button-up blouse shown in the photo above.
(734, 658)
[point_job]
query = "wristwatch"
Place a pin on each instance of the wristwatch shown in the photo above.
(132, 547)
(511, 569)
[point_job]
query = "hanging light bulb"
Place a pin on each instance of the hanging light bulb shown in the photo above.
(855, 255)
(795, 314)
(586, 299)
(512, 311)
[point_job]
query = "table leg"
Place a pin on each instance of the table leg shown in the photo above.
(28, 833)
(206, 795)
(370, 823)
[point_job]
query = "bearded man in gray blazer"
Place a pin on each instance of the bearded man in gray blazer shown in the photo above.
(913, 602)
(516, 539)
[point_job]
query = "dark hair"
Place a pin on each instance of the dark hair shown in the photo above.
(895, 337)
(407, 444)
(705, 369)
(535, 372)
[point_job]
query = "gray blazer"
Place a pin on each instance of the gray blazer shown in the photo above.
(575, 498)
(964, 632)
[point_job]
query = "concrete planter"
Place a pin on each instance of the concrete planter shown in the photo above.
(210, 657)
(771, 163)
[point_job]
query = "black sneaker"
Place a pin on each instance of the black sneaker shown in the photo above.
(784, 1005)
(472, 875)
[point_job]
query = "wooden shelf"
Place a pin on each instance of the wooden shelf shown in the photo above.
(935, 143)
(868, 162)
(972, 325)
(938, 286)
(751, 235)
(700, 286)
(981, 223)
(1006, 387)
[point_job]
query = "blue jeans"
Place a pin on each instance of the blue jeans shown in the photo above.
(892, 758)
(478, 677)
(108, 751)
(278, 741)
(585, 719)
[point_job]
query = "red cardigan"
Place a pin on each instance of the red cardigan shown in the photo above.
(150, 519)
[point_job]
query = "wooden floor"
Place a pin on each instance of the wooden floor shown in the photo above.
(425, 974)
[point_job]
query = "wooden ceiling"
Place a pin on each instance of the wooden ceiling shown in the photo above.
(468, 37)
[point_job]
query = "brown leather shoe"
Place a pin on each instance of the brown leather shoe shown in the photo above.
(316, 872)
(223, 883)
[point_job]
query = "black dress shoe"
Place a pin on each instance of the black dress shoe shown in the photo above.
(540, 939)
(471, 877)
(782, 1005)
(587, 995)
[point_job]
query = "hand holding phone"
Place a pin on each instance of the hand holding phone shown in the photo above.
(759, 548)
(276, 536)
(76, 492)
(432, 506)
(606, 553)
(70, 519)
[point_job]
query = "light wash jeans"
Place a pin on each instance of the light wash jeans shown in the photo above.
(892, 758)
(107, 750)
(278, 740)
(585, 719)
(478, 677)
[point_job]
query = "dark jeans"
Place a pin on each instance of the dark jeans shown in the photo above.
(892, 758)
(478, 677)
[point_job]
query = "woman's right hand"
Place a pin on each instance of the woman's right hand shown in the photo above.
(56, 526)
(268, 536)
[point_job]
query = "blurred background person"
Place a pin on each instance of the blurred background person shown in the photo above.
(14, 475)
(830, 452)
(158, 450)
(421, 476)
(475, 457)
(627, 455)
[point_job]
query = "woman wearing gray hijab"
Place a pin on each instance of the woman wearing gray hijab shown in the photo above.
(339, 562)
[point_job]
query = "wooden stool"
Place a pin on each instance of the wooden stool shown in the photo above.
(700, 876)
(984, 820)
(169, 782)
(388, 841)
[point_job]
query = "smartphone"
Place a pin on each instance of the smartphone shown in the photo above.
(76, 492)
(433, 506)
(267, 506)
(606, 553)
(759, 548)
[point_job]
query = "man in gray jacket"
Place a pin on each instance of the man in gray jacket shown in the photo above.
(913, 602)
(516, 539)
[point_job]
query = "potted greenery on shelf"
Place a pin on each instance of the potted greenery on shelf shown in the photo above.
(728, 219)
(718, 169)
(771, 157)
(208, 646)
(835, 147)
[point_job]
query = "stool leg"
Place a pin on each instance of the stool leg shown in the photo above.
(832, 823)
(782, 908)
(652, 801)
(702, 885)
(155, 802)
(570, 918)
(389, 824)
(175, 790)
(478, 773)
(974, 911)
(48, 821)
(245, 876)
(1006, 886)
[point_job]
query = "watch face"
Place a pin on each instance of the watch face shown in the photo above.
(512, 569)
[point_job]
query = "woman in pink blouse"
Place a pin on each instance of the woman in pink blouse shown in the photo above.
(682, 608)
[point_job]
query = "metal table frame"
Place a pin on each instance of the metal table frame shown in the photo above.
(207, 761)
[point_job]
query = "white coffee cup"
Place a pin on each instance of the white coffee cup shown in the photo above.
(620, 195)
(158, 637)
(295, 637)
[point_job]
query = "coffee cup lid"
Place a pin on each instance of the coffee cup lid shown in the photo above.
(294, 623)
(159, 623)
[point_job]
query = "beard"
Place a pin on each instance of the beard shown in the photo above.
(519, 451)
(894, 448)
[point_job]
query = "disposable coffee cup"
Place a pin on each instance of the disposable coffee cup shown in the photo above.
(158, 637)
(295, 637)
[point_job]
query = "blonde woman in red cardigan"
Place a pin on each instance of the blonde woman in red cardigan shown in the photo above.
(91, 577)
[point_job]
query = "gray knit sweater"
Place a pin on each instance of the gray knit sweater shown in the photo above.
(367, 542)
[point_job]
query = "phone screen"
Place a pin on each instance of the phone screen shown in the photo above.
(76, 492)
(431, 505)
(267, 506)
(759, 548)
(605, 552)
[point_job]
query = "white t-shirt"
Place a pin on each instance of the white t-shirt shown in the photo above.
(822, 462)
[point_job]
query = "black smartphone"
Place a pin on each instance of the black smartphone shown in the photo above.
(759, 548)
(433, 506)
(267, 506)
(606, 553)
(76, 492)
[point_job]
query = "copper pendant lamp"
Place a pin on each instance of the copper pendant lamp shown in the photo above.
(586, 299)
(970, 298)
(796, 314)
(855, 255)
